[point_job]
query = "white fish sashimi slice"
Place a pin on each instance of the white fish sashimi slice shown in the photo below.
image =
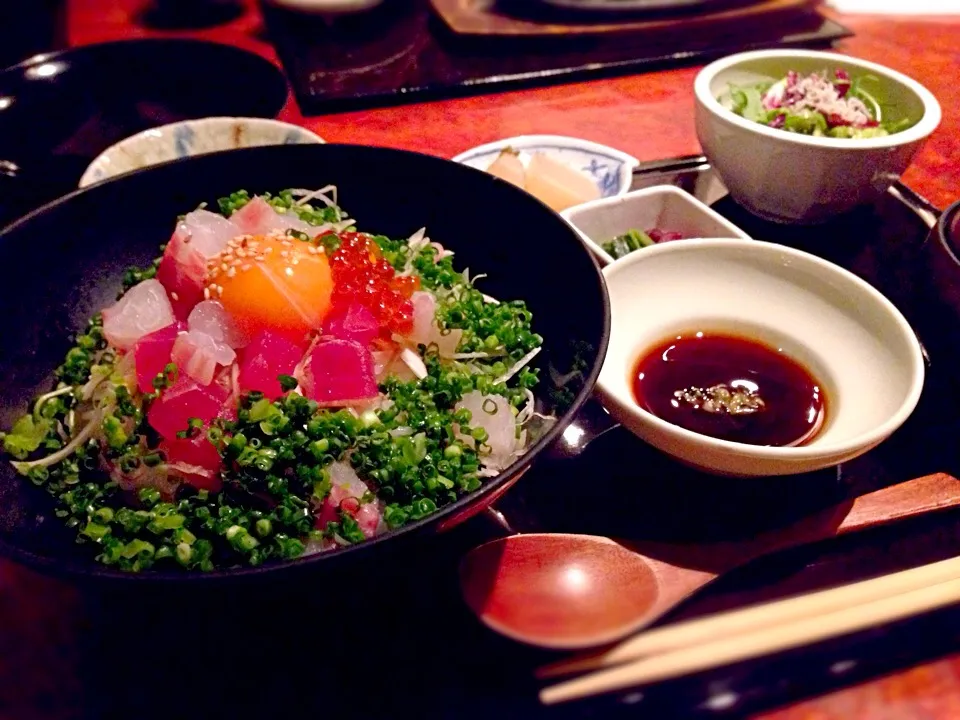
(198, 355)
(209, 233)
(370, 518)
(493, 414)
(143, 309)
(210, 317)
(258, 217)
(447, 342)
(382, 360)
(426, 331)
(344, 476)
(289, 221)
(424, 310)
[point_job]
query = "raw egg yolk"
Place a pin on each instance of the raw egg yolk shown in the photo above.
(272, 282)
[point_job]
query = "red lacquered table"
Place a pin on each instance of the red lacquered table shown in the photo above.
(649, 116)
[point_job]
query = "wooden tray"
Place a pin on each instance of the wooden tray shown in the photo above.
(402, 52)
(503, 18)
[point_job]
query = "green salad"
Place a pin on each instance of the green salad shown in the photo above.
(819, 104)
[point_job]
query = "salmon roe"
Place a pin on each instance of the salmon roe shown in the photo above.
(361, 275)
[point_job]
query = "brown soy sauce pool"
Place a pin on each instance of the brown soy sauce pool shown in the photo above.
(730, 387)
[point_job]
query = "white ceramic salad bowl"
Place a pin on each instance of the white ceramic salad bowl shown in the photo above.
(843, 330)
(791, 177)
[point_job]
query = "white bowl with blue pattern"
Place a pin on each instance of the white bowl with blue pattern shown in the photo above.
(192, 137)
(611, 170)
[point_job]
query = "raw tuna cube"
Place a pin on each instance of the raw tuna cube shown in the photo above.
(338, 373)
(170, 413)
(194, 459)
(143, 309)
(354, 322)
(182, 271)
(267, 356)
(151, 353)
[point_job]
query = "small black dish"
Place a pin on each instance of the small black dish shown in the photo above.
(60, 110)
(942, 284)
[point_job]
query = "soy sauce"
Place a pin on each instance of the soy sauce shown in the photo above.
(730, 387)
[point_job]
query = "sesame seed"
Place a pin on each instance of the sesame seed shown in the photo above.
(174, 296)
(312, 250)
(245, 267)
(268, 250)
(206, 293)
(232, 271)
(220, 289)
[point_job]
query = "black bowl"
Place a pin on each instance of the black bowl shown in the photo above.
(65, 261)
(60, 110)
(941, 287)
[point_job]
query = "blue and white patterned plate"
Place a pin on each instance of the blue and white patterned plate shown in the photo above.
(192, 137)
(610, 169)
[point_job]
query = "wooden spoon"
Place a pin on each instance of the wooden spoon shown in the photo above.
(577, 591)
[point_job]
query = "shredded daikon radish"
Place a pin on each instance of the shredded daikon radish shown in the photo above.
(414, 362)
(527, 412)
(49, 396)
(473, 355)
(63, 453)
(415, 243)
(308, 195)
(517, 366)
(98, 374)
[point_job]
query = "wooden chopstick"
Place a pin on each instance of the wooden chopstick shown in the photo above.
(890, 598)
(754, 617)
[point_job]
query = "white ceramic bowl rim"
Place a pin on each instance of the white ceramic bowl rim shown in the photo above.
(528, 140)
(803, 452)
(150, 134)
(926, 125)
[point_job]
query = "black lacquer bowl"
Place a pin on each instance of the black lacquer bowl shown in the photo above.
(62, 263)
(58, 111)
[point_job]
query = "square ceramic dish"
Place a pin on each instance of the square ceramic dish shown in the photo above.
(664, 207)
